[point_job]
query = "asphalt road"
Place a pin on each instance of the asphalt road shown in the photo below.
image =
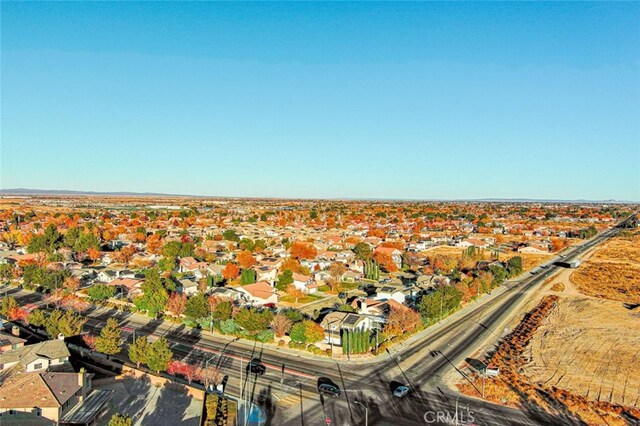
(288, 389)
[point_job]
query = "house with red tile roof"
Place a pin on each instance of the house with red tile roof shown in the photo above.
(260, 293)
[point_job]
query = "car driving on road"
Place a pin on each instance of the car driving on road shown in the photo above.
(401, 391)
(256, 366)
(329, 389)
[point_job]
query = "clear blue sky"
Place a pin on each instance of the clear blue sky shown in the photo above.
(390, 100)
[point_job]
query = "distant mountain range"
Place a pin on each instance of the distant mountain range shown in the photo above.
(28, 191)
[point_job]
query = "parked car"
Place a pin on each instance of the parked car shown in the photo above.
(329, 389)
(256, 366)
(401, 391)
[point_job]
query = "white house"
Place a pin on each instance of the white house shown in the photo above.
(40, 356)
(303, 283)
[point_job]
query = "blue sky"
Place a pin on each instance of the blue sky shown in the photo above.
(383, 100)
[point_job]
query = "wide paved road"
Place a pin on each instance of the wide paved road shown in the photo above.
(288, 389)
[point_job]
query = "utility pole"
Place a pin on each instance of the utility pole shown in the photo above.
(441, 301)
(366, 412)
(458, 397)
(282, 382)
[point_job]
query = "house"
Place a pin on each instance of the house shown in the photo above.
(475, 242)
(30, 397)
(10, 337)
(260, 293)
(189, 264)
(188, 287)
(390, 293)
(107, 275)
(534, 248)
(335, 323)
(129, 286)
(303, 282)
(37, 357)
(396, 255)
(351, 276)
(266, 273)
(376, 308)
(230, 293)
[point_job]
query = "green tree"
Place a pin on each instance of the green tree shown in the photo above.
(159, 355)
(68, 323)
(284, 280)
(253, 321)
(444, 300)
(37, 318)
(223, 311)
(514, 266)
(138, 351)
(197, 307)
(247, 276)
(306, 331)
(48, 242)
(297, 332)
(230, 235)
(363, 251)
(101, 292)
(154, 297)
(120, 420)
(109, 340)
(6, 271)
(7, 305)
(294, 315)
(178, 249)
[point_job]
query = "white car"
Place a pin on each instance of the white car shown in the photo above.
(400, 391)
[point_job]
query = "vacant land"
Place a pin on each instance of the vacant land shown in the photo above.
(530, 377)
(613, 272)
(599, 362)
(530, 260)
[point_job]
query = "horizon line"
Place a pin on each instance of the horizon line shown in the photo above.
(66, 192)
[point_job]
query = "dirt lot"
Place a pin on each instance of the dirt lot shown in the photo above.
(530, 260)
(599, 362)
(613, 272)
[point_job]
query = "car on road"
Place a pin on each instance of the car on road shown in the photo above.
(256, 366)
(329, 389)
(401, 391)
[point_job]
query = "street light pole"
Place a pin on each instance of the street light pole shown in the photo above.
(366, 412)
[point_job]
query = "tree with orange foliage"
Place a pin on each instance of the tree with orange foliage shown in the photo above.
(230, 271)
(294, 292)
(154, 244)
(557, 244)
(401, 320)
(94, 254)
(177, 303)
(291, 264)
(245, 259)
(385, 260)
(71, 284)
(303, 250)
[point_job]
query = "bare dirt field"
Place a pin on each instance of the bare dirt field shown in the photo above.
(613, 272)
(582, 347)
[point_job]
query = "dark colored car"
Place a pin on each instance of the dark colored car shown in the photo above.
(256, 366)
(329, 389)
